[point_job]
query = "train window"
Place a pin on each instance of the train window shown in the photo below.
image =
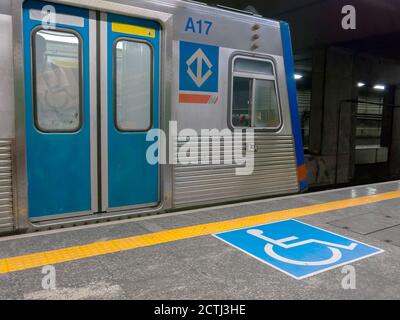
(241, 107)
(254, 66)
(133, 81)
(265, 104)
(254, 94)
(57, 66)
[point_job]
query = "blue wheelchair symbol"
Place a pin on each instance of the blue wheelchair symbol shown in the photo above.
(297, 249)
(269, 249)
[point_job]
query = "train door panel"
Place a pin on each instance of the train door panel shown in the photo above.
(87, 156)
(132, 110)
(57, 102)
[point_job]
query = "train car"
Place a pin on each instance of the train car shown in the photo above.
(84, 82)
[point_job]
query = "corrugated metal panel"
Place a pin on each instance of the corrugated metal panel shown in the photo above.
(6, 187)
(304, 101)
(372, 104)
(275, 173)
(369, 120)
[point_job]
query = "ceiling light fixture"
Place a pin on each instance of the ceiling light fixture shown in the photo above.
(380, 87)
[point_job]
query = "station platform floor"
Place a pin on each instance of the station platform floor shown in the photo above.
(176, 256)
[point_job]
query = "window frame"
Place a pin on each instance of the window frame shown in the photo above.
(254, 77)
(114, 79)
(34, 82)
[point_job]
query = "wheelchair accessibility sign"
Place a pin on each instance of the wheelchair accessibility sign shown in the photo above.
(297, 249)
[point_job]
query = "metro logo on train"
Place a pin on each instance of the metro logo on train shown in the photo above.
(199, 70)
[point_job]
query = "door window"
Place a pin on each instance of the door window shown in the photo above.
(57, 66)
(133, 80)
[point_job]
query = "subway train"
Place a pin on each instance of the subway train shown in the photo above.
(85, 84)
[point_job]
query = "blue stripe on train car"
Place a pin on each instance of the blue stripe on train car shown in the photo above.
(294, 110)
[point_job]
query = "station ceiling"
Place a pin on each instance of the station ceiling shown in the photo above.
(317, 23)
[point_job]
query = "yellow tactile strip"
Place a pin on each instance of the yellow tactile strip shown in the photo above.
(111, 246)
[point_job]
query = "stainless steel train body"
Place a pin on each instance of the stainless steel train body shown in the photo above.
(83, 81)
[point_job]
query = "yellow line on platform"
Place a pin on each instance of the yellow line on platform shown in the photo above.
(111, 246)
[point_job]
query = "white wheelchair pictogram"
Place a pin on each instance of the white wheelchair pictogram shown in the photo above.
(269, 249)
(199, 56)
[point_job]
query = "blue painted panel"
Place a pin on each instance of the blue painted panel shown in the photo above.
(209, 58)
(58, 165)
(297, 249)
(294, 109)
(131, 179)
